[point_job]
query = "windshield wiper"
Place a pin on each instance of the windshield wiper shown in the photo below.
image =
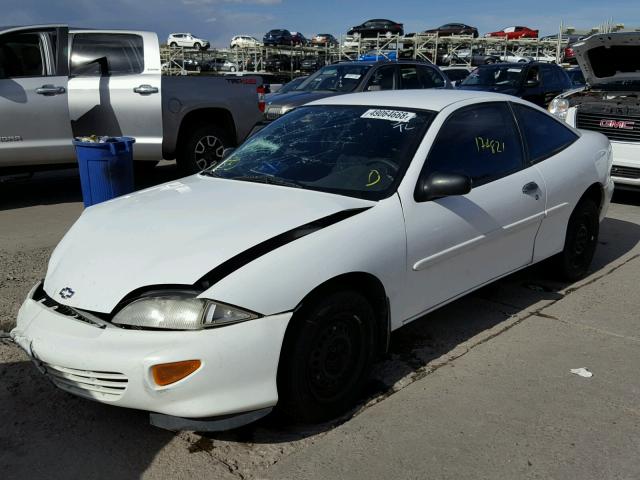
(267, 179)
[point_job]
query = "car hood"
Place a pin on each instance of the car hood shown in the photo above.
(296, 99)
(174, 234)
(609, 58)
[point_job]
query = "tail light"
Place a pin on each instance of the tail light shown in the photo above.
(261, 103)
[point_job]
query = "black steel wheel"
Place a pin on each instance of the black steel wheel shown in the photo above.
(326, 358)
(580, 241)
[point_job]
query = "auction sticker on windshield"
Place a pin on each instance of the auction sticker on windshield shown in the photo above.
(391, 115)
(353, 76)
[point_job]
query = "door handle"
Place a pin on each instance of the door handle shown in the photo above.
(146, 90)
(531, 188)
(50, 90)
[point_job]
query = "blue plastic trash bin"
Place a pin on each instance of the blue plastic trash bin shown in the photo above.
(106, 169)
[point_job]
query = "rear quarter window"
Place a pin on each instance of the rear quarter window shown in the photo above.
(544, 136)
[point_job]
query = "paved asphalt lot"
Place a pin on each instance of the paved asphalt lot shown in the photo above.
(479, 389)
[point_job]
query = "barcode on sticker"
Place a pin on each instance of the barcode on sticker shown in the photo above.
(390, 115)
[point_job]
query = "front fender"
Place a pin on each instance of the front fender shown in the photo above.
(372, 242)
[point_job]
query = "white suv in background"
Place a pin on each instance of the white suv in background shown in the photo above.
(244, 41)
(187, 40)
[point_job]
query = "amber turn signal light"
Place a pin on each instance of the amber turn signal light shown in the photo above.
(168, 373)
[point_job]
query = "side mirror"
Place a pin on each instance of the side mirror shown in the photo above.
(439, 185)
(227, 152)
(531, 83)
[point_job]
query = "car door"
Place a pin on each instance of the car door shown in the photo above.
(550, 147)
(34, 114)
(455, 244)
(114, 88)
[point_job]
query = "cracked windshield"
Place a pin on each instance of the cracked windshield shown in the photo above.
(359, 151)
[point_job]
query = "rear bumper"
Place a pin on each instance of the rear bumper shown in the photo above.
(113, 365)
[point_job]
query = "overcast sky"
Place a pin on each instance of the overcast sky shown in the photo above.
(219, 20)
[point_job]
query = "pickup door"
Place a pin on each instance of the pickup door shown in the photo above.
(34, 114)
(114, 87)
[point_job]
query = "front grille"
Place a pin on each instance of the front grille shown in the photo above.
(40, 296)
(625, 172)
(107, 386)
(593, 121)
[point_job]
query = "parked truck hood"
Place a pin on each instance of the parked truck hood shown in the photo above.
(174, 234)
(609, 58)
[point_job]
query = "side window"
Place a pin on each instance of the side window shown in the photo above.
(382, 79)
(409, 77)
(429, 77)
(21, 55)
(549, 79)
(543, 135)
(481, 141)
(418, 76)
(562, 78)
(533, 75)
(96, 54)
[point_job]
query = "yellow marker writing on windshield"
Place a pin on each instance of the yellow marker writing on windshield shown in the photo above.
(374, 177)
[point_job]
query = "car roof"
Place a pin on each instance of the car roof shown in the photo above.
(422, 99)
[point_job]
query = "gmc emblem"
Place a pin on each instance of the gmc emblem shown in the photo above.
(617, 124)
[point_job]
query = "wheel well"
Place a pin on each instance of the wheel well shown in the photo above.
(364, 283)
(216, 116)
(595, 193)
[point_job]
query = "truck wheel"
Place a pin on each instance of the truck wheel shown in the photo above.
(202, 148)
(580, 241)
(326, 358)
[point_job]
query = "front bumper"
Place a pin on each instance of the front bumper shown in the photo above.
(626, 164)
(113, 365)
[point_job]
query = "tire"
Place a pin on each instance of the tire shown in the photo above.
(202, 148)
(580, 241)
(173, 45)
(326, 358)
(232, 69)
(490, 61)
(197, 46)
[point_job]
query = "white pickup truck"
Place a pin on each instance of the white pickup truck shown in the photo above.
(57, 83)
(610, 101)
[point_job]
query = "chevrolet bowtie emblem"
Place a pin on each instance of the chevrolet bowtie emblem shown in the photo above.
(66, 292)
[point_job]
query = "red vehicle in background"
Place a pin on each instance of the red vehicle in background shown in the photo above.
(514, 32)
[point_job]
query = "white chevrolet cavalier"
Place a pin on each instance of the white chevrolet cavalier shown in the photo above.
(277, 277)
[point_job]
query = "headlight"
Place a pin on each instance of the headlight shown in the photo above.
(559, 107)
(179, 311)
